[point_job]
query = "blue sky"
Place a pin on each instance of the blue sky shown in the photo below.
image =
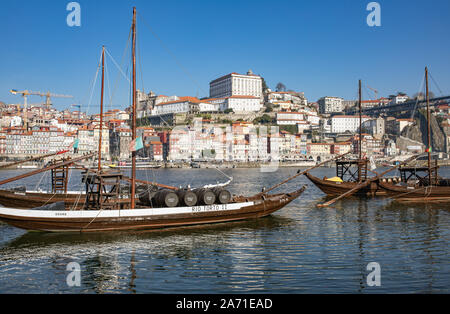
(319, 47)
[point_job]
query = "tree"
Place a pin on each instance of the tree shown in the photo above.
(280, 87)
(264, 84)
(269, 108)
(264, 119)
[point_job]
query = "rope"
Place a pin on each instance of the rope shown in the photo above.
(417, 100)
(435, 83)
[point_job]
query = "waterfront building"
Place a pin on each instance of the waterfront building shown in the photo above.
(341, 148)
(120, 139)
(371, 146)
(45, 140)
(319, 151)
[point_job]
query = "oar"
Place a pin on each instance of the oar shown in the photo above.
(30, 159)
(301, 173)
(348, 193)
(48, 168)
(366, 183)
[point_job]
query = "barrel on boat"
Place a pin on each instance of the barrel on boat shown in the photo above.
(187, 197)
(166, 198)
(205, 196)
(146, 195)
(223, 196)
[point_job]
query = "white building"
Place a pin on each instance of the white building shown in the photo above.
(181, 105)
(235, 84)
(331, 104)
(239, 104)
(399, 99)
(290, 118)
(341, 124)
(242, 104)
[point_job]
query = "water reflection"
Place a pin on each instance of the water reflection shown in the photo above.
(299, 249)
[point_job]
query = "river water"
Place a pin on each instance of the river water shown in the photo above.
(299, 249)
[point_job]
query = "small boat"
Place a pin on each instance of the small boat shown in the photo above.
(351, 173)
(420, 184)
(339, 187)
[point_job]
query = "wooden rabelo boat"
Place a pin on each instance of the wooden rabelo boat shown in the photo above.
(420, 184)
(339, 187)
(106, 210)
(350, 173)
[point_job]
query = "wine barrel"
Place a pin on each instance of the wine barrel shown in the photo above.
(205, 197)
(223, 196)
(187, 198)
(166, 198)
(146, 195)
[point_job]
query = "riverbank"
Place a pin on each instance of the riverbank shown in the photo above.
(209, 165)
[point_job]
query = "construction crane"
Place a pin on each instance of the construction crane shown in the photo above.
(47, 96)
(27, 93)
(375, 91)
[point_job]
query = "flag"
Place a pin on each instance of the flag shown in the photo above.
(136, 145)
(428, 150)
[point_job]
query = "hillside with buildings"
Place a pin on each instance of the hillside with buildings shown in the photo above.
(241, 120)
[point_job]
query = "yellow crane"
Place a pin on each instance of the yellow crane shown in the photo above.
(27, 93)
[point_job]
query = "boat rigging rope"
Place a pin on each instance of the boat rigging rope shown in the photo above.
(40, 180)
(421, 88)
(435, 83)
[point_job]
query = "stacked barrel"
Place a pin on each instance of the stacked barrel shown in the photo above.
(184, 197)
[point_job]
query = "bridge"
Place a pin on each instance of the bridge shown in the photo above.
(406, 106)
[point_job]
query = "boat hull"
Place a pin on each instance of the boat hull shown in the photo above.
(26, 200)
(144, 219)
(332, 188)
(435, 194)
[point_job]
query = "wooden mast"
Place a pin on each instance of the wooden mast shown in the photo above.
(428, 126)
(101, 112)
(133, 158)
(360, 120)
(360, 133)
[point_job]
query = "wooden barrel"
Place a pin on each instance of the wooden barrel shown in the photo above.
(166, 198)
(187, 197)
(205, 196)
(146, 195)
(223, 196)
